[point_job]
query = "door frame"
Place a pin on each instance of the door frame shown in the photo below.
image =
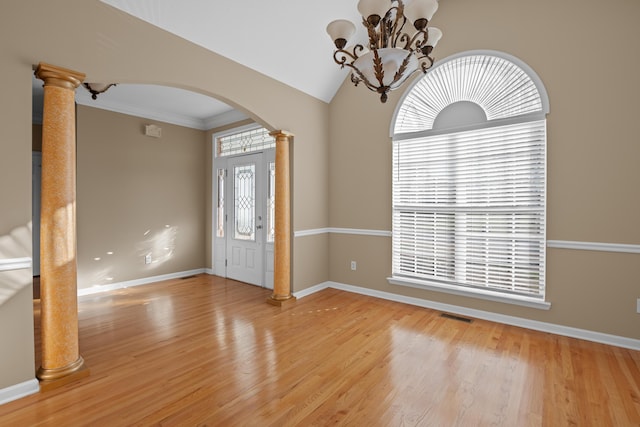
(219, 244)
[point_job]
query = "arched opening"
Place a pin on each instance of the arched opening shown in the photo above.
(141, 192)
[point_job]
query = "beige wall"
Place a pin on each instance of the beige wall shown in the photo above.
(16, 331)
(592, 156)
(108, 45)
(137, 195)
(16, 319)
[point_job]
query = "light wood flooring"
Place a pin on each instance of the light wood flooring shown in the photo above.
(206, 351)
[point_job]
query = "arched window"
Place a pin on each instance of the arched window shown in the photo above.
(469, 180)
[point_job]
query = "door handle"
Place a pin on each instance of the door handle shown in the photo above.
(258, 227)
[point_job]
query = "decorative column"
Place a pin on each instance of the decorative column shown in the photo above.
(282, 242)
(61, 360)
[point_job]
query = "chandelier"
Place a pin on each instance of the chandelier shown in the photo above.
(97, 88)
(395, 50)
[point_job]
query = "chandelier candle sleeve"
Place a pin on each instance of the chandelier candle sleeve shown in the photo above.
(399, 43)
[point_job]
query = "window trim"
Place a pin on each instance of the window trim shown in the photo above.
(469, 292)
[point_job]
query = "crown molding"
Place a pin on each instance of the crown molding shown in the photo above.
(223, 119)
(116, 107)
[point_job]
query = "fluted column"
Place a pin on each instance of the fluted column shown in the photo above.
(61, 360)
(282, 242)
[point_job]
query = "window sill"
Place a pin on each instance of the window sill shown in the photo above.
(472, 293)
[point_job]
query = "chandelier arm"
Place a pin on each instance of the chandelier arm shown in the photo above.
(343, 59)
(404, 38)
(415, 40)
(424, 65)
(396, 29)
(360, 78)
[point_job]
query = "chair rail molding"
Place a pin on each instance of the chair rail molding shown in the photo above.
(9, 264)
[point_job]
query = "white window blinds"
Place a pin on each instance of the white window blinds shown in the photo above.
(499, 86)
(469, 208)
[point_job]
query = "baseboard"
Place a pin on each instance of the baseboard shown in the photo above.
(567, 331)
(312, 290)
(137, 282)
(18, 391)
(210, 271)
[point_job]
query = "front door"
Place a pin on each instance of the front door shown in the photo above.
(245, 219)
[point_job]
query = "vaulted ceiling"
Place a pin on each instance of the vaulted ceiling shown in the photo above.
(283, 39)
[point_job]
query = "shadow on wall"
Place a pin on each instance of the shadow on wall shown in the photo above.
(15, 262)
(154, 249)
(158, 246)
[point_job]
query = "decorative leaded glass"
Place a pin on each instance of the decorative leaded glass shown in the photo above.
(220, 204)
(271, 203)
(245, 202)
(243, 142)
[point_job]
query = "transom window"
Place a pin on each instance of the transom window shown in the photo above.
(469, 180)
(243, 142)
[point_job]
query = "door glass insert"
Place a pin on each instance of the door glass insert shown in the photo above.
(245, 200)
(220, 204)
(271, 203)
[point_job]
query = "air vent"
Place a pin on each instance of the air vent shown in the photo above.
(454, 317)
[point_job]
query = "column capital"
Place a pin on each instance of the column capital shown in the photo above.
(281, 134)
(52, 75)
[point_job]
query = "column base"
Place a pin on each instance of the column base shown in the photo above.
(280, 301)
(51, 379)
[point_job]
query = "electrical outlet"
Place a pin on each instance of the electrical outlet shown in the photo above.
(638, 306)
(353, 265)
(147, 259)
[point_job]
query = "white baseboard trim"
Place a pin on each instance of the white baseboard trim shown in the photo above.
(210, 271)
(137, 282)
(18, 391)
(312, 290)
(567, 331)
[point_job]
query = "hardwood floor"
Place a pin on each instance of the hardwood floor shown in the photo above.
(209, 351)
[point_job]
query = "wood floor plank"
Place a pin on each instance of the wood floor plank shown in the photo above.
(209, 351)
